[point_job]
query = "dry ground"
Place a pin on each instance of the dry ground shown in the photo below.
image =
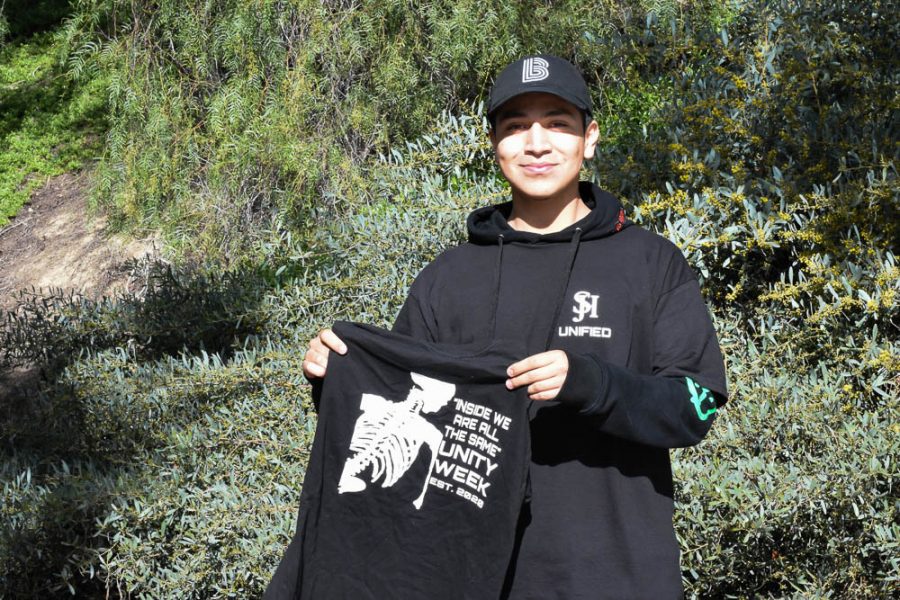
(54, 242)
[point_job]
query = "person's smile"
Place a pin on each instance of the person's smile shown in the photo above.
(538, 168)
(540, 142)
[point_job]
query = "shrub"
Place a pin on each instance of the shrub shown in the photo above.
(774, 171)
(189, 309)
(228, 116)
(792, 493)
(173, 478)
(49, 124)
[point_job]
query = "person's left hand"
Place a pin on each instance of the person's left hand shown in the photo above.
(543, 373)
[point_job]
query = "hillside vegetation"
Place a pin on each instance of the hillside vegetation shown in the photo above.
(49, 123)
(306, 159)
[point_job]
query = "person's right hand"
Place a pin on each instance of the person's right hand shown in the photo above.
(315, 362)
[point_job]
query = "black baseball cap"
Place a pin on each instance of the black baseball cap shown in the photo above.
(540, 73)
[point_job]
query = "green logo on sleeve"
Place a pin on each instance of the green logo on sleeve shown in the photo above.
(699, 395)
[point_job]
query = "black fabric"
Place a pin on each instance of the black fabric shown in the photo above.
(487, 224)
(368, 526)
(651, 410)
(646, 374)
(540, 73)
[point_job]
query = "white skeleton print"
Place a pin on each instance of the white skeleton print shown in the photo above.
(388, 435)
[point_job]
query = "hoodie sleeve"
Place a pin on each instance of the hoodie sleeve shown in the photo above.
(675, 404)
(666, 412)
(416, 318)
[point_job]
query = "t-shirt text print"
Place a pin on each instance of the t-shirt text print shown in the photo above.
(389, 435)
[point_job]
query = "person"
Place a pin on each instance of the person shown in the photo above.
(620, 357)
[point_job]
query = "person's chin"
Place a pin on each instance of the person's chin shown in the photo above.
(539, 190)
(539, 194)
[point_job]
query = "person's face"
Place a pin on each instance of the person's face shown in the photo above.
(540, 142)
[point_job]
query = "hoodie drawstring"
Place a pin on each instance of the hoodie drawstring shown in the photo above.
(496, 300)
(498, 269)
(576, 241)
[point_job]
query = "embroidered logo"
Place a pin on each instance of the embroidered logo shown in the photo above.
(389, 435)
(699, 395)
(620, 220)
(535, 69)
(585, 304)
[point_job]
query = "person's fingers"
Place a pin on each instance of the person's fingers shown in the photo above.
(545, 395)
(315, 362)
(312, 370)
(543, 373)
(537, 374)
(332, 341)
(532, 362)
(318, 357)
(545, 385)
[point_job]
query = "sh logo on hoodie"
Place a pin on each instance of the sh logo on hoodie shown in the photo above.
(585, 306)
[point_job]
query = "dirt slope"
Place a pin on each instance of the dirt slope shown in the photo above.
(54, 243)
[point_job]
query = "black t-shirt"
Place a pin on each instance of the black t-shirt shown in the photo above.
(417, 475)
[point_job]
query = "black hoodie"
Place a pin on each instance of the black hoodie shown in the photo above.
(645, 375)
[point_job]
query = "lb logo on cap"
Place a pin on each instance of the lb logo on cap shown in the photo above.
(535, 69)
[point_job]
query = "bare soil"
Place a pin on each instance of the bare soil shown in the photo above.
(55, 243)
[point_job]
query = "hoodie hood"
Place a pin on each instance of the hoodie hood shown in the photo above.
(607, 216)
(489, 226)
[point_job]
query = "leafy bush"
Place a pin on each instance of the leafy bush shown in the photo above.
(24, 18)
(174, 478)
(226, 115)
(794, 491)
(775, 172)
(188, 310)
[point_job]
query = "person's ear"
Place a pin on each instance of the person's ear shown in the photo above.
(591, 137)
(492, 134)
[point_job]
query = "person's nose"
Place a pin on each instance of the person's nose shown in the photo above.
(537, 142)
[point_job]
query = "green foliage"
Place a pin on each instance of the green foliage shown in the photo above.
(420, 199)
(775, 172)
(174, 478)
(48, 123)
(25, 18)
(794, 492)
(781, 102)
(188, 310)
(228, 116)
(177, 474)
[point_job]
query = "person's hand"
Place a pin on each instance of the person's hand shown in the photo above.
(315, 363)
(543, 373)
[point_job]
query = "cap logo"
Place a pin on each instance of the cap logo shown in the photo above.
(535, 69)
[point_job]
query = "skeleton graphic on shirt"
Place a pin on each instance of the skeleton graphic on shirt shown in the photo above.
(388, 435)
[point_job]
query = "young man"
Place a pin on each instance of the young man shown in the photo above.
(619, 353)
